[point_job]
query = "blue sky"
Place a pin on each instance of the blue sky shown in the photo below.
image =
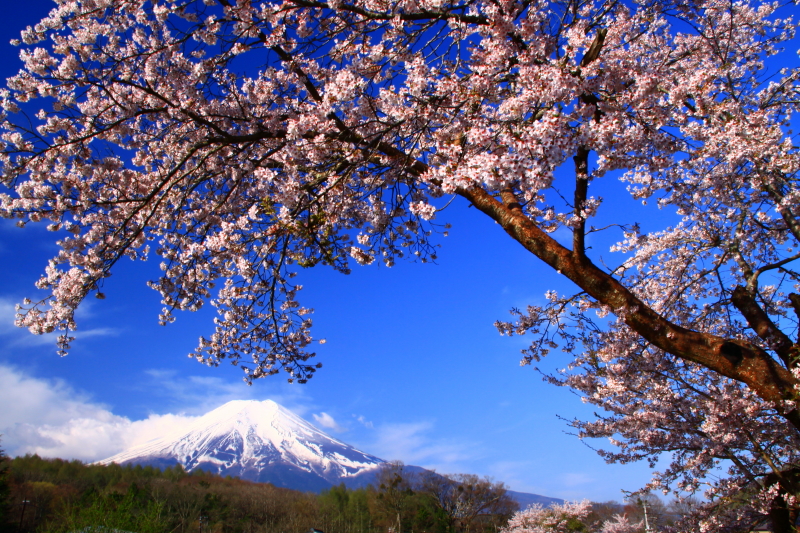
(413, 368)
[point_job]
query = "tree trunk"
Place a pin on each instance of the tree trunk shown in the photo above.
(734, 358)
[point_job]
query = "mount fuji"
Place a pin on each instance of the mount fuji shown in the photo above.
(267, 443)
(258, 441)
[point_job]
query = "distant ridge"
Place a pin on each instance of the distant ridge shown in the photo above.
(267, 443)
(526, 499)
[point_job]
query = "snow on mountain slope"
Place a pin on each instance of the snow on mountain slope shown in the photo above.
(259, 441)
(264, 442)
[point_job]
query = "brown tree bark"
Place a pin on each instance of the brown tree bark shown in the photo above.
(733, 358)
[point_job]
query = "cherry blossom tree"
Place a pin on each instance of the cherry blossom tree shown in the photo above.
(242, 140)
(569, 517)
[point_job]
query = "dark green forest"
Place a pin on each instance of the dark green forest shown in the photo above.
(40, 495)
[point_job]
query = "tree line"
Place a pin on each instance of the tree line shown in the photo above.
(39, 495)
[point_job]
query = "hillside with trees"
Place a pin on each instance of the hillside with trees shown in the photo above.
(59, 496)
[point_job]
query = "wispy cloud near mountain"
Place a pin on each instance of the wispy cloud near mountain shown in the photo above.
(53, 420)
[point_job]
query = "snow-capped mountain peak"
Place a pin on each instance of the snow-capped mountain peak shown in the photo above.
(259, 441)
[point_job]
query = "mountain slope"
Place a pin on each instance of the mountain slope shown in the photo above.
(526, 499)
(264, 442)
(258, 441)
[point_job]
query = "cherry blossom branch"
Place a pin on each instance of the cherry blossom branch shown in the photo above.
(581, 190)
(737, 359)
(760, 322)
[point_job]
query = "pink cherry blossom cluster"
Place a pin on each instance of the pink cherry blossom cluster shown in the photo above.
(566, 518)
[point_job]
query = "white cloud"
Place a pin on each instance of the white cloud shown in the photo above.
(411, 443)
(197, 395)
(366, 423)
(7, 312)
(53, 420)
(516, 475)
(325, 420)
(50, 418)
(576, 479)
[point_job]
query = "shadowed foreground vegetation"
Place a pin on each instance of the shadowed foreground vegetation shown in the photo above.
(57, 496)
